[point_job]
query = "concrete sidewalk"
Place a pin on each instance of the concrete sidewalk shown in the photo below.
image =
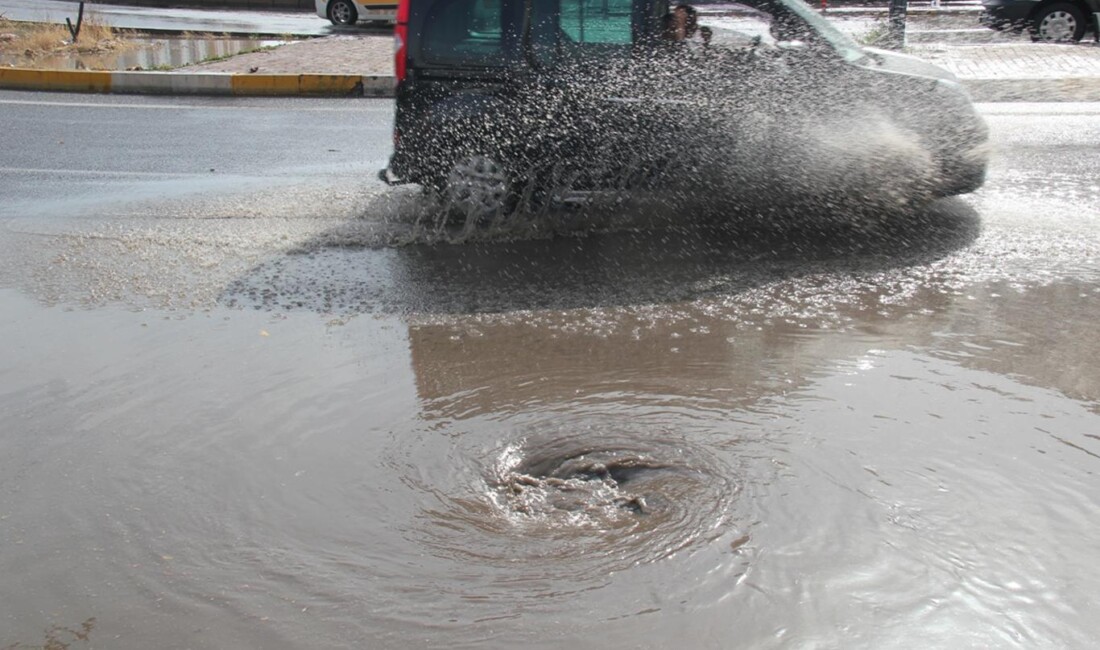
(1022, 71)
(363, 65)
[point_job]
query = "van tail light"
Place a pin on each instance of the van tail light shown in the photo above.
(400, 36)
(401, 40)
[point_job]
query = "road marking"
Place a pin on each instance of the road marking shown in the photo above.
(97, 172)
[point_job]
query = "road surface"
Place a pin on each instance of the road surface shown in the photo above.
(253, 398)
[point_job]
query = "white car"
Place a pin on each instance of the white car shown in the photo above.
(348, 12)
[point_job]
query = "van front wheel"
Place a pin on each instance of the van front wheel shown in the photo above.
(342, 12)
(1059, 23)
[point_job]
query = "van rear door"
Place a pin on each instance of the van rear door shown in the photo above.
(591, 54)
(451, 56)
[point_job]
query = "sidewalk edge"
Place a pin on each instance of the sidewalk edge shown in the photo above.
(191, 83)
(1065, 89)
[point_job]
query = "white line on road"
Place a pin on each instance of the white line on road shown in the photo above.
(96, 172)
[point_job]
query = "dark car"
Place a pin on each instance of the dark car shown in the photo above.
(500, 101)
(1046, 20)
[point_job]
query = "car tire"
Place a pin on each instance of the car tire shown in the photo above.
(1060, 22)
(342, 12)
(478, 188)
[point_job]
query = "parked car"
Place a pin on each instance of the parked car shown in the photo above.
(348, 12)
(499, 99)
(1046, 20)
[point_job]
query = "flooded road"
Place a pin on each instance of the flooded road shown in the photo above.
(273, 412)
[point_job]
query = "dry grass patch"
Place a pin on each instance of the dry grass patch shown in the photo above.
(22, 44)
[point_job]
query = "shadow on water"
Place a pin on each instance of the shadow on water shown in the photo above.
(652, 264)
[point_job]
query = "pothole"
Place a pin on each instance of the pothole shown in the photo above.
(601, 483)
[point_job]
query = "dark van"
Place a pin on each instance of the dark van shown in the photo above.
(500, 99)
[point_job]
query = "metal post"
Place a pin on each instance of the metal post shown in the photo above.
(75, 31)
(896, 36)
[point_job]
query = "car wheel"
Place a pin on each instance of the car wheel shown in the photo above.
(478, 187)
(342, 12)
(1058, 23)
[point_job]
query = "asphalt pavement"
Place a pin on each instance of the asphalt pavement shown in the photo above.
(62, 150)
(64, 147)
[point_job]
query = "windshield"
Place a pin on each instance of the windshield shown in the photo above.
(844, 45)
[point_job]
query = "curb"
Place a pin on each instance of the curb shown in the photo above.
(1079, 89)
(208, 83)
(919, 10)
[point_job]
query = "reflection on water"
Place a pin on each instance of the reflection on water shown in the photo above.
(817, 461)
(150, 53)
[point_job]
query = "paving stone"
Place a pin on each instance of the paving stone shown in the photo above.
(365, 54)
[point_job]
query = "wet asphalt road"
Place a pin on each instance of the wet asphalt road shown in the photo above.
(82, 141)
(263, 406)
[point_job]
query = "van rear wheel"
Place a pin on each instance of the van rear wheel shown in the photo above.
(342, 12)
(478, 187)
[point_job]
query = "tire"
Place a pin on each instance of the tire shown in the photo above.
(1060, 22)
(342, 12)
(478, 188)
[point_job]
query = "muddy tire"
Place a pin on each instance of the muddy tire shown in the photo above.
(1058, 23)
(342, 12)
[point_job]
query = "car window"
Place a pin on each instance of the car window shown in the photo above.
(596, 21)
(739, 27)
(469, 32)
(815, 24)
(580, 30)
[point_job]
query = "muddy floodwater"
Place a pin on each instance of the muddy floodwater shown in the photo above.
(272, 431)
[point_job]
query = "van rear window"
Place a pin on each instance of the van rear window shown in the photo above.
(464, 32)
(596, 21)
(581, 30)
